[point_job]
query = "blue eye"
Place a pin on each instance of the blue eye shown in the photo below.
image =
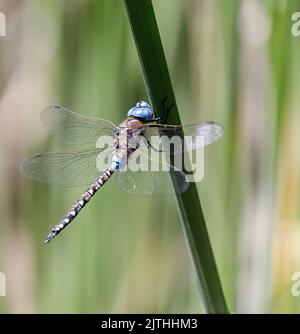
(141, 110)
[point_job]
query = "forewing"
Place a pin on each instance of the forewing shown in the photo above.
(72, 128)
(195, 136)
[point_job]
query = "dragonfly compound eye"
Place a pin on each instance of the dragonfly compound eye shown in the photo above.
(142, 110)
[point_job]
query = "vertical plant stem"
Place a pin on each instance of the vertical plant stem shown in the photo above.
(158, 83)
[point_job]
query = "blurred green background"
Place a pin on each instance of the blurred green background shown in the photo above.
(233, 61)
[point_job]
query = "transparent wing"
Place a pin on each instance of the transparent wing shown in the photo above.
(68, 169)
(195, 136)
(72, 128)
(143, 176)
(151, 183)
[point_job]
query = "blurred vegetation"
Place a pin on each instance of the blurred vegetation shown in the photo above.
(235, 62)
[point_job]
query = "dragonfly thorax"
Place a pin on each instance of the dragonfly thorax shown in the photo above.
(130, 134)
(128, 130)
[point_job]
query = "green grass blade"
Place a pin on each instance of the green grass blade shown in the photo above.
(158, 83)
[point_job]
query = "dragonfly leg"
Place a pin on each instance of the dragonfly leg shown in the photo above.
(148, 144)
(166, 107)
(152, 120)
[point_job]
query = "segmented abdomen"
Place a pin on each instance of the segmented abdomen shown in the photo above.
(76, 208)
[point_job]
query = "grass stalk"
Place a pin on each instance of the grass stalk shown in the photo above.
(146, 34)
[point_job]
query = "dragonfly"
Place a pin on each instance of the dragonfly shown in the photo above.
(79, 168)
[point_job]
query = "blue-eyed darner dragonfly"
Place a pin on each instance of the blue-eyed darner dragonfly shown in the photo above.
(73, 168)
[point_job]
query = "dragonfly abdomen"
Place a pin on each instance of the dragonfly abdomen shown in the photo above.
(76, 208)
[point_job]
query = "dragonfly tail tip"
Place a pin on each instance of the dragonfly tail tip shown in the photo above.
(48, 238)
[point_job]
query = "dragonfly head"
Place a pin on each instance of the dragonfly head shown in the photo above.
(141, 110)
